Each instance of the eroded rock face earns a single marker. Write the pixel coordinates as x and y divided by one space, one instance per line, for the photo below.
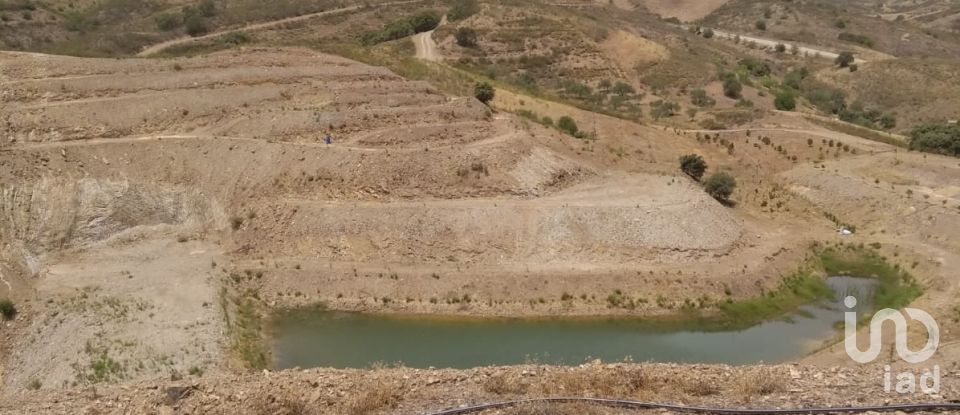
123 299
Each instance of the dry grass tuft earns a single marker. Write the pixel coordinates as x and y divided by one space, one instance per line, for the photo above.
504 384
599 382
761 382
283 404
700 387
374 397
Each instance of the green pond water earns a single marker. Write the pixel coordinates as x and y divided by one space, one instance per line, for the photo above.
315 338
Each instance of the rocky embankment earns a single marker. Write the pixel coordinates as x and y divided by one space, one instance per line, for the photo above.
421 391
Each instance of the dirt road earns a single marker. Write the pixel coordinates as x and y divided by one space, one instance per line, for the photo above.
426 46
771 43
159 47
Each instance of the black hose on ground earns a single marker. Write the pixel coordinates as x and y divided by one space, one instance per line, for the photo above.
626 404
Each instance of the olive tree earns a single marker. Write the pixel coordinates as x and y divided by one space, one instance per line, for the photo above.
693 165
720 186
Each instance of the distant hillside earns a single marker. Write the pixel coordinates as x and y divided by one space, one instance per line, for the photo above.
917 91
851 25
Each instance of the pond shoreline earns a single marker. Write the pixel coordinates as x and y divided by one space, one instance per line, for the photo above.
803 288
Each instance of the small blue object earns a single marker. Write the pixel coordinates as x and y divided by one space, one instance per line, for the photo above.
328 139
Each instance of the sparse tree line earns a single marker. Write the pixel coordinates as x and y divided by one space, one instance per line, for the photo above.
564 124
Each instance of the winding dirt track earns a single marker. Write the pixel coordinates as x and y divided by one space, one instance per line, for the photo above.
426 46
770 43
160 47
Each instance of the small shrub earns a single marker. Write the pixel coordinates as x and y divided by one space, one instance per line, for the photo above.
756 67
732 88
484 92
780 48
700 98
207 8
693 165
707 33
855 38
761 25
663 108
167 21
568 125
720 186
844 59
785 101
462 9
7 310
623 89
196 25
236 38
466 37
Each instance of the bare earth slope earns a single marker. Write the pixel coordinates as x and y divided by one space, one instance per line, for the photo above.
218 164
138 197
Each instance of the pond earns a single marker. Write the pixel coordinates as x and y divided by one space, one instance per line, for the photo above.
317 338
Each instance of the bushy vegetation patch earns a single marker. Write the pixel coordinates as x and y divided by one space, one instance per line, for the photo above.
803 287
896 288
936 138
565 124
421 22
862 40
463 9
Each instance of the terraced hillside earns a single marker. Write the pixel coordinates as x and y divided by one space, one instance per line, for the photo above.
218 163
157 211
